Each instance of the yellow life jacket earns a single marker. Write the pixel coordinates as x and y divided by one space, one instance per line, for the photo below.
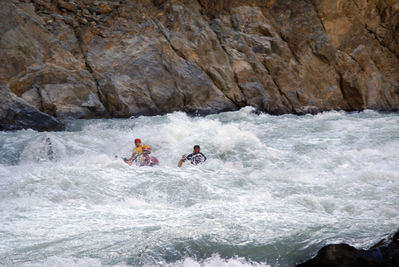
139 149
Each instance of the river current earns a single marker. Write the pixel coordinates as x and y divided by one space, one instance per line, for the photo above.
273 191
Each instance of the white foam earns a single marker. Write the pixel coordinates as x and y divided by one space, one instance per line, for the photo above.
216 261
266 179
63 262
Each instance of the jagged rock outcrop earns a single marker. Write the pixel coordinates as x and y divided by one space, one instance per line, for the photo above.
45 67
92 58
16 114
384 253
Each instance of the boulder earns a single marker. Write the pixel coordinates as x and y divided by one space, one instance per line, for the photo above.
16 114
384 253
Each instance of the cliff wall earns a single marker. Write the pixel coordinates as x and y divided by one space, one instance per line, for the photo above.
89 58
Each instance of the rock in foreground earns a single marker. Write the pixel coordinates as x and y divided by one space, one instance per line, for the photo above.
16 114
384 253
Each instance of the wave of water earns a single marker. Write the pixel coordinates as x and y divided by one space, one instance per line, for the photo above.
273 191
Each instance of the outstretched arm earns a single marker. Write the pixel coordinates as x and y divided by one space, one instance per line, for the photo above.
181 161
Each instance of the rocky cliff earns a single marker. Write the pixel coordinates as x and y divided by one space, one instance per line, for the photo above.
90 58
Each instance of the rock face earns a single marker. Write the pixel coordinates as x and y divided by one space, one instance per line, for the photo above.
91 58
384 253
16 114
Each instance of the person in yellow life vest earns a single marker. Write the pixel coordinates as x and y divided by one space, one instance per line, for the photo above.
139 149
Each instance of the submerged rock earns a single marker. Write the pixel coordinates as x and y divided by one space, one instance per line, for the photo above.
87 59
43 148
384 253
50 149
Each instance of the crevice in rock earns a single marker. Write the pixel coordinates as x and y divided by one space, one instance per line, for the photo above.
380 42
379 11
157 23
235 79
234 74
39 92
351 94
100 95
181 55
216 84
240 88
161 30
318 15
148 88
281 92
202 7
166 68
341 88
286 40
178 52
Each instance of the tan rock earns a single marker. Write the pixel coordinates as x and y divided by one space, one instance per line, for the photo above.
103 9
33 98
153 57
83 21
70 101
67 5
37 63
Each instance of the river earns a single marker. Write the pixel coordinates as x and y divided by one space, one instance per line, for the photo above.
273 191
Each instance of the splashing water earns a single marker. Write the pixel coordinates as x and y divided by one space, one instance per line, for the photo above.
273 191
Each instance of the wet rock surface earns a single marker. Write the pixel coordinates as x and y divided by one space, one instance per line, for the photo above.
88 59
384 253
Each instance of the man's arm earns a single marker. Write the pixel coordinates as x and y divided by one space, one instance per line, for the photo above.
183 159
203 156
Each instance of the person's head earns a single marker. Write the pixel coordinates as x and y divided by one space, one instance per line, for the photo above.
196 149
137 142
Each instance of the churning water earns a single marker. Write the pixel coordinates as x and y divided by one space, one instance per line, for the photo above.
273 191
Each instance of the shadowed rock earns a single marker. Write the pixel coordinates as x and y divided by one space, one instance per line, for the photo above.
16 114
384 253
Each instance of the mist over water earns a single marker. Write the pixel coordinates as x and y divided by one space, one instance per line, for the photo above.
273 191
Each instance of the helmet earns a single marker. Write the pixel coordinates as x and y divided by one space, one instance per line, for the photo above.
196 146
137 139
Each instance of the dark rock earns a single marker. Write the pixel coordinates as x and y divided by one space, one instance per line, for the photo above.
49 150
16 114
384 253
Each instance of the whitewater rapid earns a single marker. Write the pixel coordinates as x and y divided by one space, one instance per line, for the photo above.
273 190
